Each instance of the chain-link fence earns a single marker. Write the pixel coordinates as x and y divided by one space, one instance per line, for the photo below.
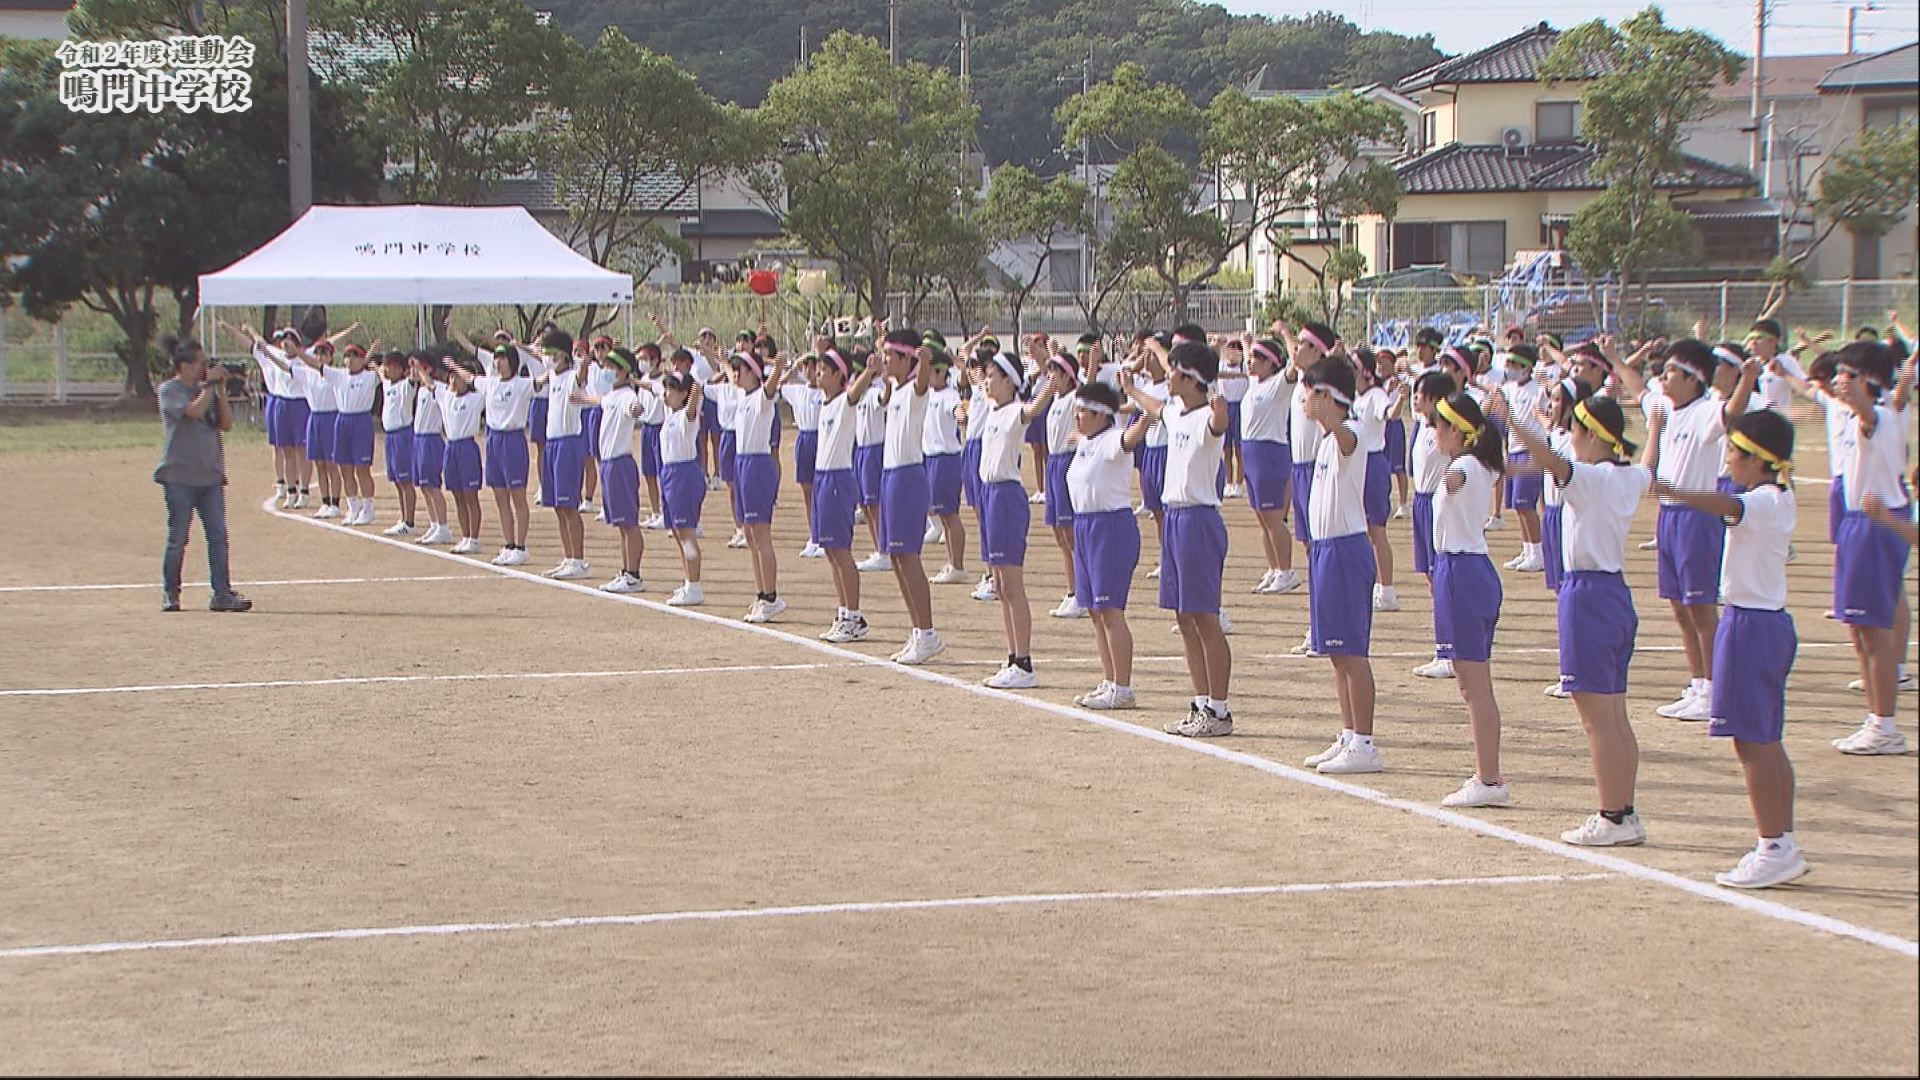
74 359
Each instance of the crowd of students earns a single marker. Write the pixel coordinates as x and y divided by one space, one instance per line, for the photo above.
898 432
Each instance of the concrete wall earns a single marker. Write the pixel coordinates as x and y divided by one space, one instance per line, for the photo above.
34 25
1478 113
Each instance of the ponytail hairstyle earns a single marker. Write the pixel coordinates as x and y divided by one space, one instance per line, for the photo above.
1483 440
1767 435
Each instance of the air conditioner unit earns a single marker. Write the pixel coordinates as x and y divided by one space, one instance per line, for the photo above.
1514 139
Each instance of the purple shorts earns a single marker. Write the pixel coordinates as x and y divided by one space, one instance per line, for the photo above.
970 485
506 459
1059 499
1106 551
353 438
1551 552
1752 653
1422 533
400 467
320 435
1869 563
1397 446
1340 604
1269 468
650 449
1004 517
563 468
1522 489
1302 491
1152 462
835 493
943 482
461 465
1597 628
868 462
429 459
537 420
1232 438
294 412
1378 496
1037 432
683 488
904 496
1691 545
729 450
590 430
276 414
709 417
620 491
1466 607
1836 508
806 452
1193 557
756 484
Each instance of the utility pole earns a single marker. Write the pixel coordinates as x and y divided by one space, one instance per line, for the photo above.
1853 14
299 114
803 48
893 32
966 89
1089 249
1759 76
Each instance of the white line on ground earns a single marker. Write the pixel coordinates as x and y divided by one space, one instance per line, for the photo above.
1771 909
362 680
850 908
155 586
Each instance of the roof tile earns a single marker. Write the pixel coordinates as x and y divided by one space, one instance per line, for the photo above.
1460 168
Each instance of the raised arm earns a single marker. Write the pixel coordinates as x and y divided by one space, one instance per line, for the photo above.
1550 462
1043 400
1742 392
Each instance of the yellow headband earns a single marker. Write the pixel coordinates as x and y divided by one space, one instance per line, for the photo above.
1468 432
1782 467
1591 423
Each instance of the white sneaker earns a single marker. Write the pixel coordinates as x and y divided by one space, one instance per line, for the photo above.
878 562
1648 545
517 557
1108 696
764 611
859 514
1907 684
1226 622
468 545
936 532
327 510
921 648
1355 757
1081 699
1870 740
569 570
1476 792
1514 563
738 539
1699 710
699 532
1284 581
1385 599
1496 523
1531 563
586 506
813 551
689 594
1331 752
437 533
1556 690
1153 573
714 483
398 528
1597 831
1435 668
1037 498
1140 510
1069 609
1012 677
502 558
1201 724
986 590
1305 648
1266 580
1233 491
845 630
625 583
1760 869
1399 510
950 575
1673 709
299 502
655 522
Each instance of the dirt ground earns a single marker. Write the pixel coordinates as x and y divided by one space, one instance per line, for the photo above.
699 773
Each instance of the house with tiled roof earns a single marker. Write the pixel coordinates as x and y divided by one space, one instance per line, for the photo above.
1498 171
1877 91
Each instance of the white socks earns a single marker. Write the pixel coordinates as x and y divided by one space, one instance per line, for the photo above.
1776 845
1884 724
1702 687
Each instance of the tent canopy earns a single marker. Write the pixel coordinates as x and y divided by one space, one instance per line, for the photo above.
414 255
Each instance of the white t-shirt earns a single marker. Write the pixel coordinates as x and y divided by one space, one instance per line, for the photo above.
1691 450
1523 405
1002 432
805 401
906 427
1233 382
1753 572
680 437
563 415
1100 478
426 411
396 404
1194 454
277 382
1337 506
617 420
1654 400
835 451
657 408
1838 415
508 401
870 418
1429 464
462 413
1774 391
1459 517
1600 503
1562 446
1263 412
1874 465
754 415
1156 431
1302 429
354 392
1369 420
1060 423
600 380
726 399
977 408
941 433
314 384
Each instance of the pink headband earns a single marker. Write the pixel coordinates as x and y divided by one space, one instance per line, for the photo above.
838 361
1182 339
1313 339
751 361
1067 365
1261 348
903 350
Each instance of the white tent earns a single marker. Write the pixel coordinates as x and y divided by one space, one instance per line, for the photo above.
414 255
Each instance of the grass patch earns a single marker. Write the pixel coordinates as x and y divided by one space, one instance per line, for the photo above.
31 433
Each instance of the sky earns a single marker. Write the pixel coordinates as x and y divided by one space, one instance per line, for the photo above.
1794 26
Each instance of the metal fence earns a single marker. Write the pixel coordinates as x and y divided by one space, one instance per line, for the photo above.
73 360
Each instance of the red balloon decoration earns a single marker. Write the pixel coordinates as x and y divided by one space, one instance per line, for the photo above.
763 282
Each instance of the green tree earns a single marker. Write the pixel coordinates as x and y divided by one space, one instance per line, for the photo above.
1653 79
871 160
1021 208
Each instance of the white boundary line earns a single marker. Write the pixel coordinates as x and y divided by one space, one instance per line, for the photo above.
725 914
364 680
154 585
1596 857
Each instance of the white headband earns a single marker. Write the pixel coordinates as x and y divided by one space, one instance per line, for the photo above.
1093 407
1013 371
1192 374
1728 356
1334 394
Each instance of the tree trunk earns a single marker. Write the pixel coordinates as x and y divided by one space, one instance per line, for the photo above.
441 313
136 353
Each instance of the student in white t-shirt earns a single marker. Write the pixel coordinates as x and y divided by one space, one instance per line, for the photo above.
836 488
802 394
1106 536
905 490
1006 510
397 392
1266 450
429 444
944 447
624 404
1233 386
564 463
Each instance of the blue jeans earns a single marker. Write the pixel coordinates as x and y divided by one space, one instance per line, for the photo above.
184 501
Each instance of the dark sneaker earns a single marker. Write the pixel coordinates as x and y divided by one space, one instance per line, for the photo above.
172 604
230 602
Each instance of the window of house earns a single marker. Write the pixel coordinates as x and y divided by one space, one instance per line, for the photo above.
1556 122
1866 258
1470 247
1886 114
1429 130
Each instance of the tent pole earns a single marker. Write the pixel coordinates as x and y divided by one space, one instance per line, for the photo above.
630 323
419 327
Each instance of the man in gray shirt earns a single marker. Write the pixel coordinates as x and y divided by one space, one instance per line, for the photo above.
192 470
